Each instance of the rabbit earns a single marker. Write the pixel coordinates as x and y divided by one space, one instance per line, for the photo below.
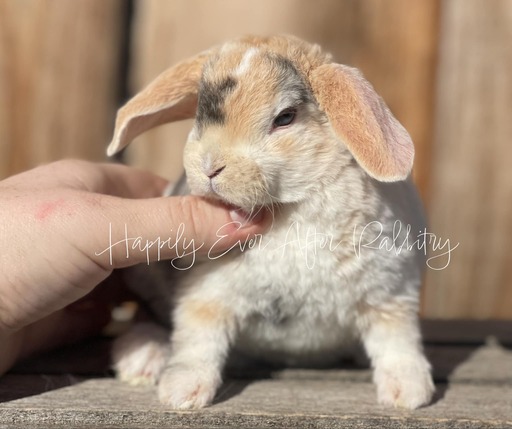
281 127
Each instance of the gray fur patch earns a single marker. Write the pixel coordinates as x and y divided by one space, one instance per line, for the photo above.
210 104
291 80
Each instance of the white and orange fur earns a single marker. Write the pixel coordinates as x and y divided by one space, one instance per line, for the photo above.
342 163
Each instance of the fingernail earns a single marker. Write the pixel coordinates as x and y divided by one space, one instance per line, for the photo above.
245 219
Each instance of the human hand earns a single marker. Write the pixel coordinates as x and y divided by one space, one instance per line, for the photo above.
55 222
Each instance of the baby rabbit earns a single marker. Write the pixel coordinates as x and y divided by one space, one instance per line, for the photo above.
280 127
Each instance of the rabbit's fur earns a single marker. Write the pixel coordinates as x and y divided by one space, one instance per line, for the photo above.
306 292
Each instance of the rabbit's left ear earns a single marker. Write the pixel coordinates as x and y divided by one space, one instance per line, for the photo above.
378 142
172 96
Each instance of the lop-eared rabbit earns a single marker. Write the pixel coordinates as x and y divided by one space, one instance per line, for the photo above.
281 128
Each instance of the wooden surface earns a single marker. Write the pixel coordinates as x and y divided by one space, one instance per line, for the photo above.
395 45
299 403
59 67
471 200
72 388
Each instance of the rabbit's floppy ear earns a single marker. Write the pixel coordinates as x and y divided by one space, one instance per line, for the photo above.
172 96
359 116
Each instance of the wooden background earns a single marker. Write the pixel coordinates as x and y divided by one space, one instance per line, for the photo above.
444 67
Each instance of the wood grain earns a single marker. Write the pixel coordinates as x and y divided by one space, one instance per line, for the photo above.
59 65
477 395
471 178
395 45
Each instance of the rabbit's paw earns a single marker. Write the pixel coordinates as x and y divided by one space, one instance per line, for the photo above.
187 388
139 356
404 381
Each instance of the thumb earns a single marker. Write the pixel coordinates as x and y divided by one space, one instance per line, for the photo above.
147 230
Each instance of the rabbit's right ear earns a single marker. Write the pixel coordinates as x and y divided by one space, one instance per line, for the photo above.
378 142
172 96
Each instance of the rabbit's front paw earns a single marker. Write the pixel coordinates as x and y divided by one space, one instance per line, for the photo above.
404 381
139 356
186 388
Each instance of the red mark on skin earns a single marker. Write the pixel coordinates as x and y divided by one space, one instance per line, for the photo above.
46 209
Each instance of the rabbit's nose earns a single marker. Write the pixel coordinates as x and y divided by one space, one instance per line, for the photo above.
215 172
212 165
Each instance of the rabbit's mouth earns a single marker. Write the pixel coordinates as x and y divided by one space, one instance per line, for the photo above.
244 214
241 213
244 217
245 208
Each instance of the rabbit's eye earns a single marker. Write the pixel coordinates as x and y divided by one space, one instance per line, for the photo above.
284 118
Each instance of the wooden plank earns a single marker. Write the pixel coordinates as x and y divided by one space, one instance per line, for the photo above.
58 79
5 96
255 404
393 42
471 177
477 395
459 332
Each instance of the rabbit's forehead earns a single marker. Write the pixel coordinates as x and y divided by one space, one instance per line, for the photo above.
241 86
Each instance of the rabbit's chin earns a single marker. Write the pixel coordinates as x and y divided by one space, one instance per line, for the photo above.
247 208
242 210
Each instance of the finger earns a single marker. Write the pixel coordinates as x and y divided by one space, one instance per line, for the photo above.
142 231
112 179
121 181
